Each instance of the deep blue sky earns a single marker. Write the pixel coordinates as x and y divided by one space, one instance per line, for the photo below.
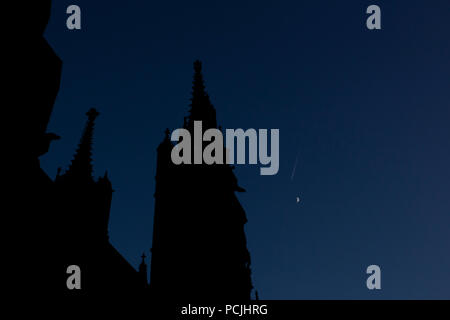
368 112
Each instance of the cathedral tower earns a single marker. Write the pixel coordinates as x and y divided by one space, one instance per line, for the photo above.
199 247
84 208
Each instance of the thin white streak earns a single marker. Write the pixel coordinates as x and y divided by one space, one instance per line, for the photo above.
295 166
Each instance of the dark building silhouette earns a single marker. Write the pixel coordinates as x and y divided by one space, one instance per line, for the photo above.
86 204
199 247
52 224
31 72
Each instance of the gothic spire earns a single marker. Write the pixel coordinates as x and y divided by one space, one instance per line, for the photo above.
143 271
201 107
81 165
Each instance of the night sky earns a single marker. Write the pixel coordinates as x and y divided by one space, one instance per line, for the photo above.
367 113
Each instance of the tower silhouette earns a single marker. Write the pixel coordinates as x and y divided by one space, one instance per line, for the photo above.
89 200
86 204
199 249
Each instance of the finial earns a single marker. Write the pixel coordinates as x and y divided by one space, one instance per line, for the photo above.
167 133
92 113
197 66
